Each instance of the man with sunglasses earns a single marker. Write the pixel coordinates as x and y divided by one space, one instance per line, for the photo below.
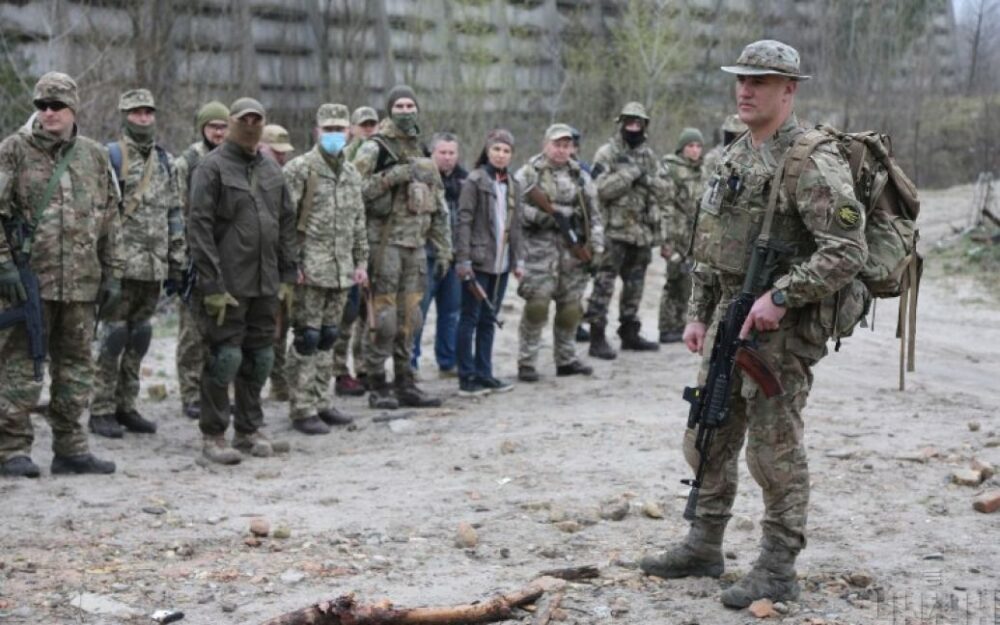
59 211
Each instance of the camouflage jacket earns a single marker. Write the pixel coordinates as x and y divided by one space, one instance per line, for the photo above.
153 233
686 179
631 192
352 148
77 239
711 158
241 228
183 168
827 252
571 192
332 237
383 162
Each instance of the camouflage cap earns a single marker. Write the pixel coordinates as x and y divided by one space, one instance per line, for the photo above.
734 125
57 87
558 131
245 106
633 109
136 98
277 137
767 56
363 114
333 115
689 135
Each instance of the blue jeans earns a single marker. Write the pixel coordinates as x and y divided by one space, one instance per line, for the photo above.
477 320
447 293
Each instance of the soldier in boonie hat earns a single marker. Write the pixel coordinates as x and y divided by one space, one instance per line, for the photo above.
768 56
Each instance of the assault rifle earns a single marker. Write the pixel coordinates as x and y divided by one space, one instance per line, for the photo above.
710 402
29 312
480 294
576 245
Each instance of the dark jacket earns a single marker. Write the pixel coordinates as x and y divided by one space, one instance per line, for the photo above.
452 188
241 231
475 235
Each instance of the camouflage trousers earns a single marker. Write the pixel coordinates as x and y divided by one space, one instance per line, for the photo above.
309 374
124 340
69 329
550 274
623 260
773 431
279 372
399 281
241 353
191 354
352 326
674 299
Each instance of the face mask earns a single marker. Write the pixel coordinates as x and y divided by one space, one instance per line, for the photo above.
143 135
633 138
407 122
332 142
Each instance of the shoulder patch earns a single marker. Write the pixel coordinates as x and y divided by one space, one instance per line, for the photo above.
848 216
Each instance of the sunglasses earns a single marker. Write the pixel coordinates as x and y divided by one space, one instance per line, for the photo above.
43 105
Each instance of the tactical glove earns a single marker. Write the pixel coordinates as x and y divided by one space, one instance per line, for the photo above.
215 305
110 293
11 288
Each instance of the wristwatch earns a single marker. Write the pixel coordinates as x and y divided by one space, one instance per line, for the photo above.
778 297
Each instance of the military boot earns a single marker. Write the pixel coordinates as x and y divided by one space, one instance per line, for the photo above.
312 426
19 466
105 425
772 576
599 347
217 449
574 368
698 555
192 410
132 421
380 395
253 443
332 416
411 396
629 333
527 373
80 464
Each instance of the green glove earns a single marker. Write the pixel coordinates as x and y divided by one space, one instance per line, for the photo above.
10 283
215 305
110 293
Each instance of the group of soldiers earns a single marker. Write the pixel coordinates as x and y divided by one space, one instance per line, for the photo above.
331 247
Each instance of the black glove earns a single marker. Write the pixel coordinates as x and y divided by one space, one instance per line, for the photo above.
10 283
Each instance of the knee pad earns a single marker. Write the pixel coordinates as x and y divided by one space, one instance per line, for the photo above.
306 340
536 310
568 316
327 337
140 336
261 363
224 365
116 337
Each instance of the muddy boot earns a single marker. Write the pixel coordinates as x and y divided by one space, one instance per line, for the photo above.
80 464
217 449
772 576
599 347
411 396
132 421
332 416
254 443
629 333
699 555
381 396
105 425
527 374
19 466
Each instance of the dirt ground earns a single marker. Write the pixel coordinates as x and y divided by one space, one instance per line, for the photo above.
375 510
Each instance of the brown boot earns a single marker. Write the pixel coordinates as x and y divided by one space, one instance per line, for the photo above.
217 449
772 576
254 443
698 555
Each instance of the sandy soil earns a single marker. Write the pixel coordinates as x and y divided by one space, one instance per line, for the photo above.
375 510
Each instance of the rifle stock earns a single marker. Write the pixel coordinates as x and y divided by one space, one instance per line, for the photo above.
577 247
480 294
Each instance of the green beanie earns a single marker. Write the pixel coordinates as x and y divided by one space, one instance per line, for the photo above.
689 135
210 112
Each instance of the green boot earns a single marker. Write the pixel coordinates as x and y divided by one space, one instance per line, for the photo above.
699 555
772 576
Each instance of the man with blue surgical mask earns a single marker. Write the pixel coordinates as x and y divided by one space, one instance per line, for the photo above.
326 193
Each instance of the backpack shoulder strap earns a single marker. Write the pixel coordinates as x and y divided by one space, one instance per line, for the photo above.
386 155
164 160
798 155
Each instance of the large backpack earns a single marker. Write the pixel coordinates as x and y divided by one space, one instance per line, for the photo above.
893 267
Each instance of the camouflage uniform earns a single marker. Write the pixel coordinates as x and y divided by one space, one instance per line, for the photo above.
153 241
191 352
551 271
731 128
333 242
396 236
77 256
630 191
678 222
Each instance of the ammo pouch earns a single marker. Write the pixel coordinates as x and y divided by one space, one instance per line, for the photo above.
836 315
420 198
380 207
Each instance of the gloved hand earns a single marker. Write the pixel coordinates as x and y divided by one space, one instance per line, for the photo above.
398 174
286 294
10 283
109 294
632 171
215 305
441 268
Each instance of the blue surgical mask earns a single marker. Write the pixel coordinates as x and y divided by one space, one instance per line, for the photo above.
332 142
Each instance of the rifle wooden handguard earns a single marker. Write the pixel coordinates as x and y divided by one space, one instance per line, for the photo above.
753 364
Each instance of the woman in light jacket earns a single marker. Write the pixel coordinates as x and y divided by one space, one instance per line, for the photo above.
487 249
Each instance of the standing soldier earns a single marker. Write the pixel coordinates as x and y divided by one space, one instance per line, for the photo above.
153 242
405 205
684 170
333 254
211 122
364 123
557 191
241 233
822 226
59 212
630 190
